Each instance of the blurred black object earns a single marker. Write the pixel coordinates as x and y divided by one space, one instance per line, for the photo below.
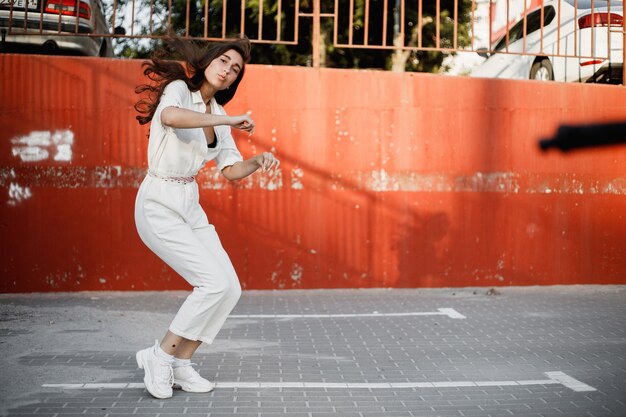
570 137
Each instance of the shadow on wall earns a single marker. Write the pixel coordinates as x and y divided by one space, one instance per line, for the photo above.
336 234
421 249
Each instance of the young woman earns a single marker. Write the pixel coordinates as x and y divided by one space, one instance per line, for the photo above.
189 127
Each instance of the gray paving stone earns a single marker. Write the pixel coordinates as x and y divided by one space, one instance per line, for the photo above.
213 414
24 414
186 414
270 414
64 414
519 335
260 409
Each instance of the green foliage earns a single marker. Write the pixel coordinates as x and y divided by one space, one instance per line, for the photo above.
431 61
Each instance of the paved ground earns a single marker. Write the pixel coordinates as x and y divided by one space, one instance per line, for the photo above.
549 351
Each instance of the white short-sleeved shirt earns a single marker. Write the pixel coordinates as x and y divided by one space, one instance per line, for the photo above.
177 152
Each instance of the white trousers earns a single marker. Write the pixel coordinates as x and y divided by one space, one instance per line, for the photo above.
172 224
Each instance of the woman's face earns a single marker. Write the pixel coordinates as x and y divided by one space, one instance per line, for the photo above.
224 69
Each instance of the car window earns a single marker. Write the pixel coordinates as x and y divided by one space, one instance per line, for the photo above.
534 19
533 23
514 34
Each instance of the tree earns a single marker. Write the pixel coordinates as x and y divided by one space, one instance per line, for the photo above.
427 60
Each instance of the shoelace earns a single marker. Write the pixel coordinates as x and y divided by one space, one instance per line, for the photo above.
166 377
191 372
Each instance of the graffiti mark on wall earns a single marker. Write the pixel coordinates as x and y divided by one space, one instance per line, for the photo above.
41 145
382 181
25 177
17 194
37 146
272 180
488 182
296 176
296 273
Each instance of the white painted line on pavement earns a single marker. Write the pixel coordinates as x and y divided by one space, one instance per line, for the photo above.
110 385
570 382
538 382
496 383
65 386
450 312
453 384
555 378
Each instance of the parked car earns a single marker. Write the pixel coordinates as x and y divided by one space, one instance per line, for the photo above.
48 25
582 36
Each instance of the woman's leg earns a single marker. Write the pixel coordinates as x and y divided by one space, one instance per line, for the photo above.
178 346
171 238
210 239
183 348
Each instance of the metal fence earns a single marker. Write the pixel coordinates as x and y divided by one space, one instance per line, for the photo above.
485 26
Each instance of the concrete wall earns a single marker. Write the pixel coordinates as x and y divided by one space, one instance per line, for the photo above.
387 180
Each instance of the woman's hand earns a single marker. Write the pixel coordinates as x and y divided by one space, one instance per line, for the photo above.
243 122
242 169
267 161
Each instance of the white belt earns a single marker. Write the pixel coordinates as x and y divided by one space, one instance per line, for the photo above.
179 180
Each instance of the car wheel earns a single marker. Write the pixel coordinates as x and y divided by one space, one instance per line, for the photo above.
542 71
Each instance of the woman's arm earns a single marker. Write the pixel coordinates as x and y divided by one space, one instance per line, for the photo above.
187 119
242 169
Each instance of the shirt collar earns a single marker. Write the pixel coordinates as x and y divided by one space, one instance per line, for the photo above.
196 97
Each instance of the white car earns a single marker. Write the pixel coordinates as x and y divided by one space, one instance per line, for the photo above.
581 36
48 25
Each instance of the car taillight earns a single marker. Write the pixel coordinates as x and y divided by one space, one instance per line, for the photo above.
68 8
599 20
592 62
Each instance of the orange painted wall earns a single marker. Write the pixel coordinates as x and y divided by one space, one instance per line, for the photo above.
387 180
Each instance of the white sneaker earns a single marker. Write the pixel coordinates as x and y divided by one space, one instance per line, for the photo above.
190 380
159 375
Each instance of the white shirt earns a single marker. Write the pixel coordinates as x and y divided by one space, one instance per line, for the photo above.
174 152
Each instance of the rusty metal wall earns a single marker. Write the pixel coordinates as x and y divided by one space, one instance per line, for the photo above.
387 180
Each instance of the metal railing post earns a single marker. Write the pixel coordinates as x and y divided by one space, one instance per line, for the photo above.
316 34
623 45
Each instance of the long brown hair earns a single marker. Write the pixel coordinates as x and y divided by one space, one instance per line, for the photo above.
163 71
